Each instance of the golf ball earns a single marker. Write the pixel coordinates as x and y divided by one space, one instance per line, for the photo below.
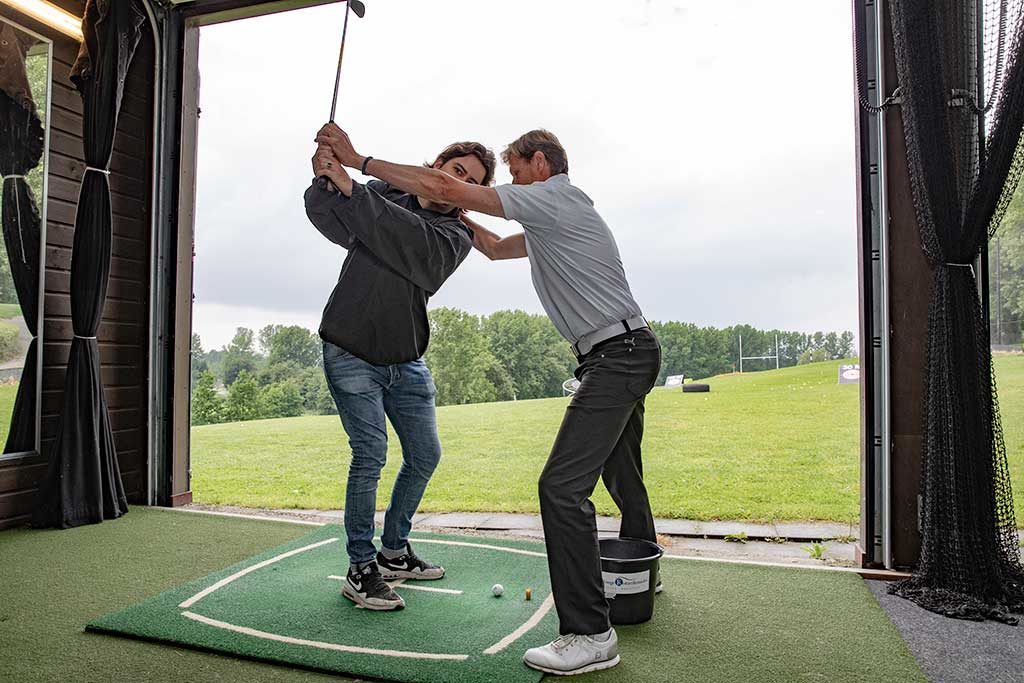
497 589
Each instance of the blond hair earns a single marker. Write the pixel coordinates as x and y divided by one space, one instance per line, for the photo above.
543 141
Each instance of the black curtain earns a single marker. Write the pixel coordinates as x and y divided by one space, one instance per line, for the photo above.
21 148
83 482
962 181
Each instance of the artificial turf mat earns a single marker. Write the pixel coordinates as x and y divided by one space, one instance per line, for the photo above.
438 638
54 582
714 622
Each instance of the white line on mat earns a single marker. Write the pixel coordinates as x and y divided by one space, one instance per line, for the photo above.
401 582
521 631
505 642
318 644
517 551
248 570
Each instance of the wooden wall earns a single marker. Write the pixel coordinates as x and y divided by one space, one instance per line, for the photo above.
123 333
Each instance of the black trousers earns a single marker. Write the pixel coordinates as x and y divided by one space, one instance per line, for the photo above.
600 437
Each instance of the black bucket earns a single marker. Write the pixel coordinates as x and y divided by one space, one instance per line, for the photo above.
629 567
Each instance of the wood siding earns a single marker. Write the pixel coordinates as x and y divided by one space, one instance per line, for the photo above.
124 330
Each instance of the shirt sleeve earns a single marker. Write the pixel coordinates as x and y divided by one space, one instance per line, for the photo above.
425 252
532 205
318 202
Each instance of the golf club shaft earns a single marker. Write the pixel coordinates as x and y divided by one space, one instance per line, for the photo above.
341 55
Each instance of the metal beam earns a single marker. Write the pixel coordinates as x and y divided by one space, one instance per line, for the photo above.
207 12
873 276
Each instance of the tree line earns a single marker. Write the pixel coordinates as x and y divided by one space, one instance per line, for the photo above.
508 355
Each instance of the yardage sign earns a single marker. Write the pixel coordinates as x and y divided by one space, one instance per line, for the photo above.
673 380
849 374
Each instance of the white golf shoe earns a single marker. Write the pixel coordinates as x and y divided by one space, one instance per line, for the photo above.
574 654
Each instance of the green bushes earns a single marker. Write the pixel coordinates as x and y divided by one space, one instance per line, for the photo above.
10 341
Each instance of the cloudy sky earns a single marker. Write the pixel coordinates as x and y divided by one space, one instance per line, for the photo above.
716 138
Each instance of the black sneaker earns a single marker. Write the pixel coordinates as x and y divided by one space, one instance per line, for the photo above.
409 566
367 589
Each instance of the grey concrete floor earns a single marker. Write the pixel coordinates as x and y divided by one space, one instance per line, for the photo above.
792 542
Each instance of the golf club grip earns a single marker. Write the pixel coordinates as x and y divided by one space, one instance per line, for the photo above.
324 183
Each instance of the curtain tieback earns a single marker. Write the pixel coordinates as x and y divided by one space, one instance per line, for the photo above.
78 336
964 265
104 171
13 177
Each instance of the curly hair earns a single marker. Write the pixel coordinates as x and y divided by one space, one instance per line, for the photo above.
465 149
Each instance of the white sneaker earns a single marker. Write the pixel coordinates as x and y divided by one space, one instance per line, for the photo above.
574 654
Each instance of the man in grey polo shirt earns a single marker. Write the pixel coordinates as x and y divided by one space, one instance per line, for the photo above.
580 280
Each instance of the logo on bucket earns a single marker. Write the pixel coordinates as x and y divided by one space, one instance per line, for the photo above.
625 584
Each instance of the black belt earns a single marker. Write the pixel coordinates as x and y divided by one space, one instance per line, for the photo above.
587 342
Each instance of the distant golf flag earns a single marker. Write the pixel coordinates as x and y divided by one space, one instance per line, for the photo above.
673 380
849 374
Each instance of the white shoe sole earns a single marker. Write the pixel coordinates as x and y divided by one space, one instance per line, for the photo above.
392 574
596 666
363 603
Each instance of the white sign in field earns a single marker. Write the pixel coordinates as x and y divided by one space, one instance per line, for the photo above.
673 380
849 374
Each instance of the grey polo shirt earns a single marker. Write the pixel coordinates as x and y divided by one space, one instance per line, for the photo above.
574 260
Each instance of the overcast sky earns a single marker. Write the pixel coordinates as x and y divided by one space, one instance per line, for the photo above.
716 139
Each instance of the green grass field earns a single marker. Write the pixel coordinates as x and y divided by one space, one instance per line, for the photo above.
776 445
10 311
8 392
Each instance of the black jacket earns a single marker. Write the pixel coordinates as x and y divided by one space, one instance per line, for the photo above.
399 254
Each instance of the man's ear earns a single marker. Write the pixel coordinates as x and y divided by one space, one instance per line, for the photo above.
540 162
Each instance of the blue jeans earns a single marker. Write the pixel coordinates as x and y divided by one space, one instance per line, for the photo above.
365 394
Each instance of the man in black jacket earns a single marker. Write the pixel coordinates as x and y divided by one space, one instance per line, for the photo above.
401 249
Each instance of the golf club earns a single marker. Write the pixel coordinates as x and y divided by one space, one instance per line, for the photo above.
360 10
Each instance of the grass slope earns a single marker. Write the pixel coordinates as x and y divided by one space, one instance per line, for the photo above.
776 445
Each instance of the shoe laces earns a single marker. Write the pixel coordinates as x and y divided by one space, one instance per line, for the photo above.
373 579
414 558
562 642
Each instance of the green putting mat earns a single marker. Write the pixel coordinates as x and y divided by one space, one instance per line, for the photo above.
285 606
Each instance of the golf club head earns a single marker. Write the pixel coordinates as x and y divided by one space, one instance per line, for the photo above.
358 7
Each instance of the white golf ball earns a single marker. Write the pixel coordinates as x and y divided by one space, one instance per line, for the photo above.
497 589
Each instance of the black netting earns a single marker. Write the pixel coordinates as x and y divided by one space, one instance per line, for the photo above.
961 75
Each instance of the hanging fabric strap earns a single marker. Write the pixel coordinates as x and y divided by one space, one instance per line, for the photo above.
88 168
78 336
17 204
